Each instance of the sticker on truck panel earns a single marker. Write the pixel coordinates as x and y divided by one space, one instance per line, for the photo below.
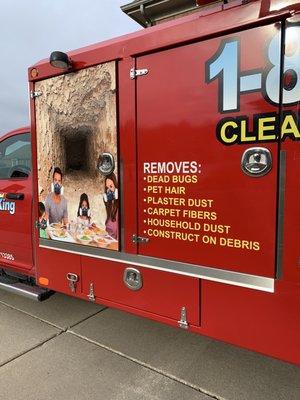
77 158
6 205
225 66
7 256
171 213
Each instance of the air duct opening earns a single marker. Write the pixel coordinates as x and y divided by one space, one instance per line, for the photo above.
76 153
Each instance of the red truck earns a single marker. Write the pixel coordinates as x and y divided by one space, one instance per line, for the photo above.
163 176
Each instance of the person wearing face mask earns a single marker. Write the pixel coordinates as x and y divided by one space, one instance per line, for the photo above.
111 202
84 212
56 204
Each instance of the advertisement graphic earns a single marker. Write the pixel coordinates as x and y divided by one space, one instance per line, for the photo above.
77 158
6 205
208 149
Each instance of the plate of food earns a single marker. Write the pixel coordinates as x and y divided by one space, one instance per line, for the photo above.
84 239
102 241
60 233
56 225
98 230
88 232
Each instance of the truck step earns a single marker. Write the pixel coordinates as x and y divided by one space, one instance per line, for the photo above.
32 292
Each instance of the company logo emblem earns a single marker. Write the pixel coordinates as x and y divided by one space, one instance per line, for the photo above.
5 205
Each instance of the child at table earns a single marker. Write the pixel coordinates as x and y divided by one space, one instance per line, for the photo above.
42 221
84 212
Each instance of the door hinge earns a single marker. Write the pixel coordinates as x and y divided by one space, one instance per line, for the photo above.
139 239
134 73
183 321
34 94
91 295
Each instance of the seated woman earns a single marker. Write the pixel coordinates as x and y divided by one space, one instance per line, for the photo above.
56 204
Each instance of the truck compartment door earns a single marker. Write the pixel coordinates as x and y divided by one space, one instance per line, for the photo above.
77 164
207 125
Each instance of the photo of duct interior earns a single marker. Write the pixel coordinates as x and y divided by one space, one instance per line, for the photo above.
76 123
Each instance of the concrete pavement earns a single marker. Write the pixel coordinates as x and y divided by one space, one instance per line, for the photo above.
66 348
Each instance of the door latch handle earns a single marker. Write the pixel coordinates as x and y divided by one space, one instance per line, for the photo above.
15 196
256 161
72 279
132 278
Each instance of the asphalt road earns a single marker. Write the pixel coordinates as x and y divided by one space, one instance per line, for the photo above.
66 348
